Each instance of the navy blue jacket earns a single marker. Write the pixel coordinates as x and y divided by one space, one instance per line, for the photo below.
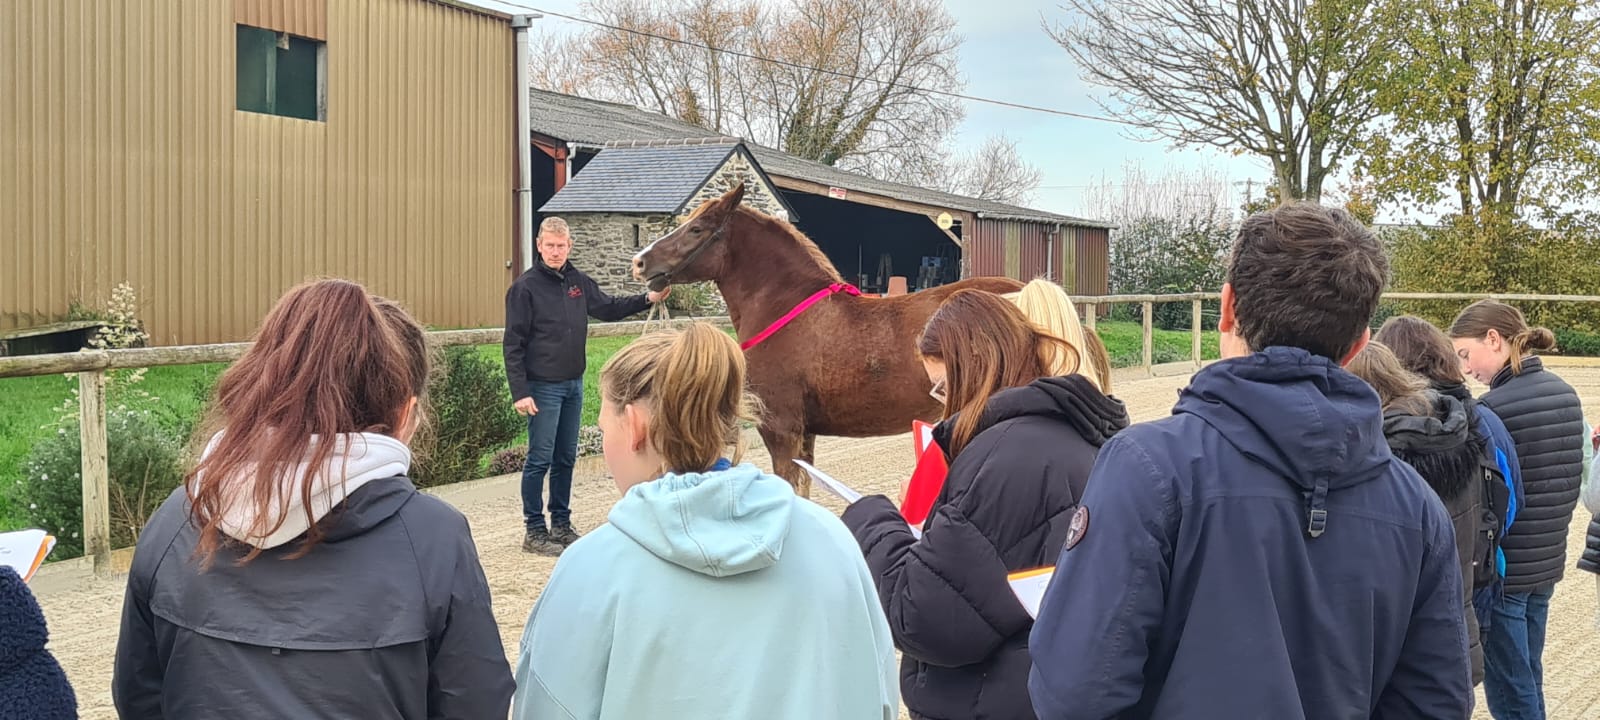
32 684
1259 554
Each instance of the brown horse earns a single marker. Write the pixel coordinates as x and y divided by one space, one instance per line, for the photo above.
847 366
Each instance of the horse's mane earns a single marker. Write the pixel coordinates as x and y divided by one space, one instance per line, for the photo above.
779 227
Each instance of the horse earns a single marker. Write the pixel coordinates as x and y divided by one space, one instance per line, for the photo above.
845 366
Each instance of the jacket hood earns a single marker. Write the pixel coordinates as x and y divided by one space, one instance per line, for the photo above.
1440 446
1069 399
357 459
1302 416
718 523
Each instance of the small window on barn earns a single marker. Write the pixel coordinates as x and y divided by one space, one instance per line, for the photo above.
281 74
636 234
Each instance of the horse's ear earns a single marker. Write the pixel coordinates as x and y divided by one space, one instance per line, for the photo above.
732 198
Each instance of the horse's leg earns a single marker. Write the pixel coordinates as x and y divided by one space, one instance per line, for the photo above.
808 449
784 446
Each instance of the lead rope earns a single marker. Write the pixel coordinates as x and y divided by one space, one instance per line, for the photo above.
658 313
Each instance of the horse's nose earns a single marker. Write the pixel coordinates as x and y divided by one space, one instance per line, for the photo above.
638 266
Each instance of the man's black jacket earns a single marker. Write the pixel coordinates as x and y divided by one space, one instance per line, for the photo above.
547 323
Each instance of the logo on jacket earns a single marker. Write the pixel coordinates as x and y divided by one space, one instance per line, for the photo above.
574 292
1078 527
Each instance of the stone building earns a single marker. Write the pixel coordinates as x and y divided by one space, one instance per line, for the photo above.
633 192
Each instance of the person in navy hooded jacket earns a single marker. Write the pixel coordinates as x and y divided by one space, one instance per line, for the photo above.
1260 553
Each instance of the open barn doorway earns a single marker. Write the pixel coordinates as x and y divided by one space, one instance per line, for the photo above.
870 244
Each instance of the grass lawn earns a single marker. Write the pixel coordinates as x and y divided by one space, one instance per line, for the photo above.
30 404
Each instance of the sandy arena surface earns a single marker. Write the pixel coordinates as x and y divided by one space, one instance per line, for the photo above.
84 611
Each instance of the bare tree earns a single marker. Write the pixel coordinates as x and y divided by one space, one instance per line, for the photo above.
842 87
555 63
1285 80
994 171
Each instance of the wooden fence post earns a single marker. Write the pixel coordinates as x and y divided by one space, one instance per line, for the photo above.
1194 326
1149 334
1088 315
96 474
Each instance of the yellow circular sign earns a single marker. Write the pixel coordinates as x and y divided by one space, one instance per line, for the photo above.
945 221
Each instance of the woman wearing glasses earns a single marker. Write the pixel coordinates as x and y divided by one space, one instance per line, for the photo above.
1020 442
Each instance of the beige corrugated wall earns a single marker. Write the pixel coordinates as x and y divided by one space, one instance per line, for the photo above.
122 158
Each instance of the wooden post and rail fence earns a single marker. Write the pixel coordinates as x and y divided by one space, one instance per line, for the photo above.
91 367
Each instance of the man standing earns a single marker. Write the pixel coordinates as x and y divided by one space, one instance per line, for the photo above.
1260 553
547 311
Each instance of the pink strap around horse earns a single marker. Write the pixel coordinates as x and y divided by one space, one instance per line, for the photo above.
837 287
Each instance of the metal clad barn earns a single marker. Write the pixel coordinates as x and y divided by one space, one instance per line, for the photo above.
212 154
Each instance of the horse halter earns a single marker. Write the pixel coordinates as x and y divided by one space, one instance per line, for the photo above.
689 258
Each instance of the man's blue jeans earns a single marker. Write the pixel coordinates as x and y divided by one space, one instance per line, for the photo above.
552 448
1513 654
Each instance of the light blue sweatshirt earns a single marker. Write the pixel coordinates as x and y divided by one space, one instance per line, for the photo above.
716 595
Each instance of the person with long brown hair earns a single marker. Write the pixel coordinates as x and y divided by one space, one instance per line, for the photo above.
297 572
713 591
1545 419
1427 351
1020 440
1432 433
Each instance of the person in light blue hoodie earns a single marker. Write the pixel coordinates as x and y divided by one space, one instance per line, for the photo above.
714 591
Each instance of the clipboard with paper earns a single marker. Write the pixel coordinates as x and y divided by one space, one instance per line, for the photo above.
843 491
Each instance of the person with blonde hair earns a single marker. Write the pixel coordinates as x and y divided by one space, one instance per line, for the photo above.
714 591
1048 306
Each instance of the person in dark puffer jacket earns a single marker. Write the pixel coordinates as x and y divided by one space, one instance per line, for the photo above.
1432 434
32 684
1545 418
1590 560
1019 462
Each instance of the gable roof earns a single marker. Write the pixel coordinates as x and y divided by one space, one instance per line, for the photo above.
595 123
644 178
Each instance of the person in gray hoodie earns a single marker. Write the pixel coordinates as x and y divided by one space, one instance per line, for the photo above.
298 573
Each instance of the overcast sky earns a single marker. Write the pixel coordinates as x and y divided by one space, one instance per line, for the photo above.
1006 55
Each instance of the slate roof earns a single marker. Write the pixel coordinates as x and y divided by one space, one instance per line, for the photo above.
645 179
596 123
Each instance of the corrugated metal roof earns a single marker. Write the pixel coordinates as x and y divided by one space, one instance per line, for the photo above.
595 122
647 179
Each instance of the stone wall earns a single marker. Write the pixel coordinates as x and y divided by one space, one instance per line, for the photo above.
603 245
758 195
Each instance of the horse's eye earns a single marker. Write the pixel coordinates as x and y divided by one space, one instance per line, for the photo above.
696 229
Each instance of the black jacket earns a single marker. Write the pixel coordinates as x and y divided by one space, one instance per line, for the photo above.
1590 560
32 684
1445 450
1545 418
387 619
547 323
1004 507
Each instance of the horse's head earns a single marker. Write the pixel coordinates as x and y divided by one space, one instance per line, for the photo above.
695 250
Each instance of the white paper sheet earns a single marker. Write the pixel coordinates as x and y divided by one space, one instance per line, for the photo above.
25 550
843 491
1029 588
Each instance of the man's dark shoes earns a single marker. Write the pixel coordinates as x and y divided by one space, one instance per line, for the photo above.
539 542
563 535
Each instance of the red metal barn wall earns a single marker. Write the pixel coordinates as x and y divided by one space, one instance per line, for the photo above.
1076 257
